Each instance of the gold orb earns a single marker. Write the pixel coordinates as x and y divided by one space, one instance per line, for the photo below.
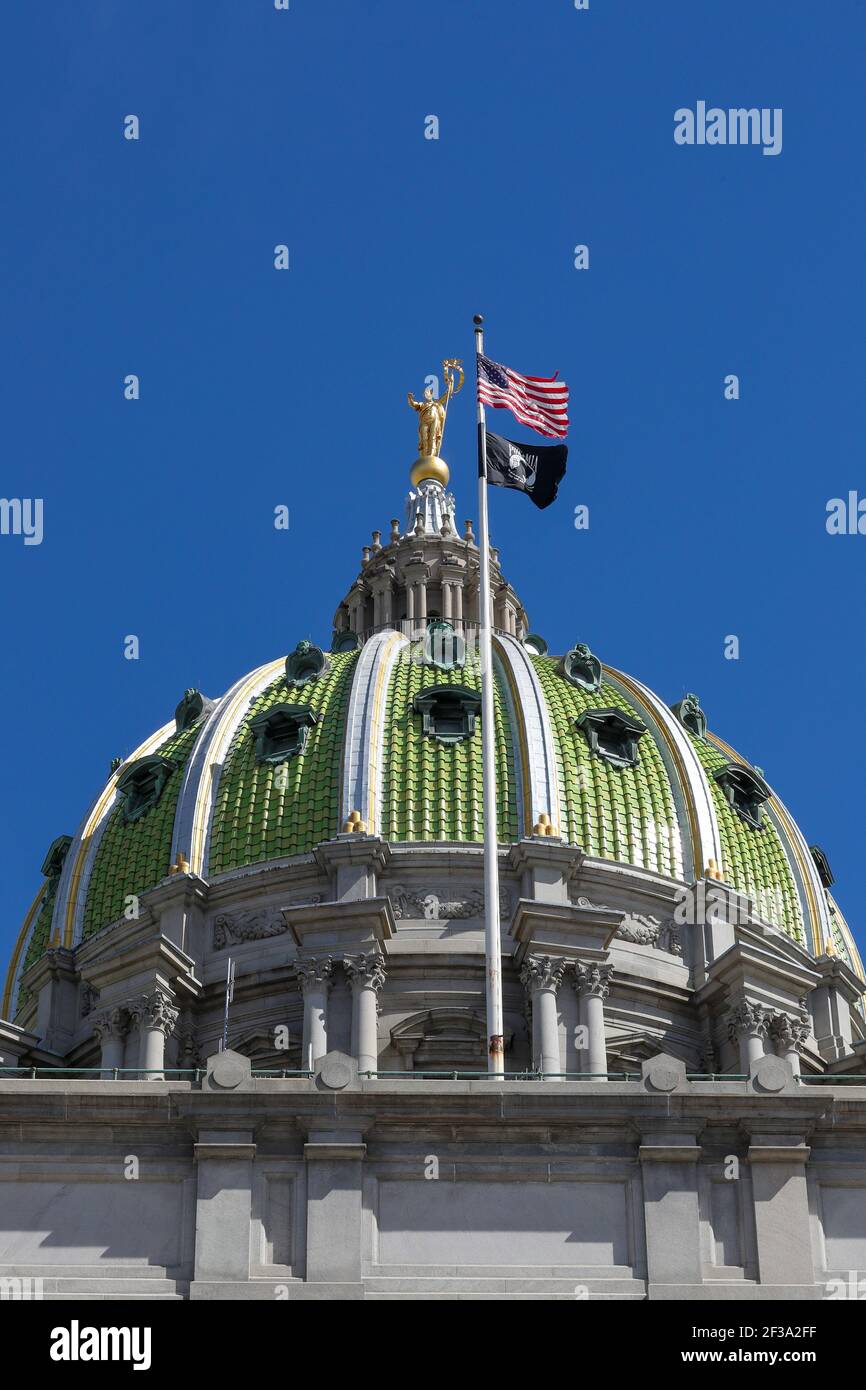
430 467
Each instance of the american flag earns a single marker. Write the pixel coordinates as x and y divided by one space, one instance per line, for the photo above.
538 401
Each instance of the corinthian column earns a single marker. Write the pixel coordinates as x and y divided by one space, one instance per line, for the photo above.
367 976
156 1016
789 1035
592 983
111 1028
314 982
747 1025
541 977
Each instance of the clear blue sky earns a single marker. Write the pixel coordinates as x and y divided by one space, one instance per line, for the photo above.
258 387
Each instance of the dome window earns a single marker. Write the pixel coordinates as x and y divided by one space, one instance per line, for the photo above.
448 712
688 711
305 663
443 647
822 864
191 709
141 785
581 668
281 732
611 735
746 792
57 852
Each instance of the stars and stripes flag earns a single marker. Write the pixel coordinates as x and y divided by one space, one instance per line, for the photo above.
538 401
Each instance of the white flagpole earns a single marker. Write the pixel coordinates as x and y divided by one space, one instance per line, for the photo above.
492 944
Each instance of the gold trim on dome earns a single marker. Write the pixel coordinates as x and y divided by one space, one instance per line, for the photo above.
698 848
5 1011
203 797
95 819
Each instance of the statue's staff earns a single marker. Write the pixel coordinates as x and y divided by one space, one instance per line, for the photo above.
449 366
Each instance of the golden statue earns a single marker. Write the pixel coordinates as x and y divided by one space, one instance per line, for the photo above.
432 412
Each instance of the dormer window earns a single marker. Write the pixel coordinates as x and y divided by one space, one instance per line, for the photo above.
191 709
281 732
582 668
746 792
141 785
305 663
822 864
448 712
443 647
52 865
612 735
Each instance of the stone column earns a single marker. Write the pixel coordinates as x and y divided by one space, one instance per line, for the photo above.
592 983
156 1016
367 976
314 982
457 604
446 600
355 623
747 1026
541 977
110 1028
789 1034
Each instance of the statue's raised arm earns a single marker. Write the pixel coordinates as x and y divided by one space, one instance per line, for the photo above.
432 409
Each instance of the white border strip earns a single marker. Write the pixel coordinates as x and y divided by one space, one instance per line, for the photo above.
541 797
233 709
361 785
697 788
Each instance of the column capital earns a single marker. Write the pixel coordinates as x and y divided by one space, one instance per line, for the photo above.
111 1025
365 971
593 980
156 1010
747 1019
791 1033
542 972
314 973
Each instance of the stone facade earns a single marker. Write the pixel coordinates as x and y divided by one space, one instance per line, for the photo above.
616 1167
336 1187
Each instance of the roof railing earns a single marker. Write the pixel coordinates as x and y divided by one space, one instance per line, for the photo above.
195 1075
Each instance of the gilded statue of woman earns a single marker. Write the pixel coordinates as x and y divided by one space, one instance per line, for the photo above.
431 421
432 410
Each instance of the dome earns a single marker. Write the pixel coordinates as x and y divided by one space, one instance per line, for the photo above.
377 733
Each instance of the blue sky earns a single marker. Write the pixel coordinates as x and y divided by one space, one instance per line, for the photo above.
258 387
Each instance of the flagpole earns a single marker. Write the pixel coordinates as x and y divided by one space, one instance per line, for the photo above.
492 944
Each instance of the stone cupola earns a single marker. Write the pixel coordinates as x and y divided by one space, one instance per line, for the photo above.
426 570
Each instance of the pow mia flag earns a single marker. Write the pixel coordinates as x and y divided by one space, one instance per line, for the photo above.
531 468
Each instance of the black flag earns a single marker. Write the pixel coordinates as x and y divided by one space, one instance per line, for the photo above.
531 468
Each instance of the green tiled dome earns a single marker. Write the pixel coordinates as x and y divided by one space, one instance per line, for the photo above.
369 758
135 855
261 814
627 814
432 790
